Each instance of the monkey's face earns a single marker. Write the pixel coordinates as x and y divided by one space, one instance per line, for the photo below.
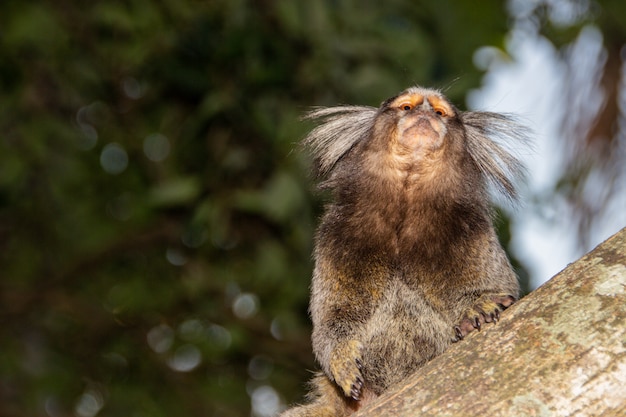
421 117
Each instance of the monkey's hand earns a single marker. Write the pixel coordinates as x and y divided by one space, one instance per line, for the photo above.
345 366
485 310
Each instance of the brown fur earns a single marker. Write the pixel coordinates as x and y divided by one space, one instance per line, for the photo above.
407 260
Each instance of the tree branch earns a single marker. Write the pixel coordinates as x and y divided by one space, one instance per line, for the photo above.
560 351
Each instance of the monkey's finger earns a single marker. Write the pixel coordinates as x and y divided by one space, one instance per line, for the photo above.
504 301
491 316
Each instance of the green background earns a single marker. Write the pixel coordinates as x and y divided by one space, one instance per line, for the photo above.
156 214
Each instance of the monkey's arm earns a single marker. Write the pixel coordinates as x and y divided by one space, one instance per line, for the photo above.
497 289
341 302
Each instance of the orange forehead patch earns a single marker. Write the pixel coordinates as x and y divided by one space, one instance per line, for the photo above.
438 102
414 99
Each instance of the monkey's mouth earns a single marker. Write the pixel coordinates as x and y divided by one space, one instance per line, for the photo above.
421 131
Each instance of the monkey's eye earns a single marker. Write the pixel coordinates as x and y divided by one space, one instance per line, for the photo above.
440 111
406 106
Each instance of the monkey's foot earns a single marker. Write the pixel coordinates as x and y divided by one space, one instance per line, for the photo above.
345 366
487 309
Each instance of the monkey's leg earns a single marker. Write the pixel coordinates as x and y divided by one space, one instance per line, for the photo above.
486 309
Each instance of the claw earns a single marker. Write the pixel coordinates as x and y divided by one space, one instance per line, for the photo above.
477 323
355 392
459 333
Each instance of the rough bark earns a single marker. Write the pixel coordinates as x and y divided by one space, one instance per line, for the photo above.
560 351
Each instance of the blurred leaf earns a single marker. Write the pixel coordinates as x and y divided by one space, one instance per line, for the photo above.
175 192
212 205
280 198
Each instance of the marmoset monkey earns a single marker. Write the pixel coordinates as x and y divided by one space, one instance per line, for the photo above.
406 257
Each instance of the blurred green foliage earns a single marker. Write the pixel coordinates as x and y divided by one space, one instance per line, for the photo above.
156 217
